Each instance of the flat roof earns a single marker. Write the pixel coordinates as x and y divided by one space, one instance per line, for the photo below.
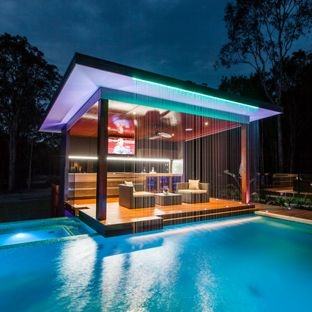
86 74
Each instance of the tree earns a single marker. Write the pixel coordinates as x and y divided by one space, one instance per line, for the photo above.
251 87
27 83
297 108
296 100
261 33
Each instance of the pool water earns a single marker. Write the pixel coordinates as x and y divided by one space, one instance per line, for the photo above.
30 231
237 264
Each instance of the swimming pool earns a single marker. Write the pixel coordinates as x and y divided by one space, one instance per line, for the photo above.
238 264
12 233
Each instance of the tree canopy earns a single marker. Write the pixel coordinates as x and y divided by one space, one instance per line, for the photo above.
27 83
296 99
261 33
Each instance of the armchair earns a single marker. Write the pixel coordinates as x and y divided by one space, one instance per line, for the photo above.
135 197
192 196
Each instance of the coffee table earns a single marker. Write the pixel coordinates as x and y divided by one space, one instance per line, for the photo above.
168 199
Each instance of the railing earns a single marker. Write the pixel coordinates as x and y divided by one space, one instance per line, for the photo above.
284 179
290 182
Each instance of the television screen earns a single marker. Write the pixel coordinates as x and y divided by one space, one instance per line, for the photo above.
121 146
119 125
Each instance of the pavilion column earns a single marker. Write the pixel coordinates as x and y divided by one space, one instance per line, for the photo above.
63 188
102 151
244 167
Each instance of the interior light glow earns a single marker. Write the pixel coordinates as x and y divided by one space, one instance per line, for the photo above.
82 157
90 116
138 159
206 123
195 93
130 159
188 129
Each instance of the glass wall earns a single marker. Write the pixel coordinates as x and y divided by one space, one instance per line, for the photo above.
156 149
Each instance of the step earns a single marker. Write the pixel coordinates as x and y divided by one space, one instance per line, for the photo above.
206 216
192 213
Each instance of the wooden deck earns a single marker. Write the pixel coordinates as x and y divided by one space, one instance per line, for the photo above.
124 220
297 215
286 191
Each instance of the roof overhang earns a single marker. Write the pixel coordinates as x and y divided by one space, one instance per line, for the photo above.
86 75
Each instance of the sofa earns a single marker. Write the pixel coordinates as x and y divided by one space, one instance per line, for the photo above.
135 196
191 195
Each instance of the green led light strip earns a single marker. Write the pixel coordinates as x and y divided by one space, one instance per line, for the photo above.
196 93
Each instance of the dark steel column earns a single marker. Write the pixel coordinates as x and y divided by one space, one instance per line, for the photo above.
244 167
63 172
102 151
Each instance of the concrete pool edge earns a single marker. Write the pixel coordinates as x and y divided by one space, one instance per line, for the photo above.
283 217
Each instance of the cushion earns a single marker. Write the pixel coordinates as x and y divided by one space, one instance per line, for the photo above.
192 191
143 194
194 184
130 183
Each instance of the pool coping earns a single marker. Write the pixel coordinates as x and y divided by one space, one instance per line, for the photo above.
283 217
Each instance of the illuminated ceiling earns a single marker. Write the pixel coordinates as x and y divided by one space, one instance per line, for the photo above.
148 121
86 75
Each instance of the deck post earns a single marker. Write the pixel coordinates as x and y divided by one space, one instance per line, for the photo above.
102 151
244 166
63 191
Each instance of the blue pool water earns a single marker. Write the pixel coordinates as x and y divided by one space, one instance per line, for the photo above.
30 231
239 264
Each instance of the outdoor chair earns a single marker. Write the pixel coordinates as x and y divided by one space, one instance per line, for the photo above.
193 195
135 196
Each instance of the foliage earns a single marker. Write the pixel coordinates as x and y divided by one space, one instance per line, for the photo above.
248 86
232 192
261 33
283 200
296 100
26 86
297 111
27 83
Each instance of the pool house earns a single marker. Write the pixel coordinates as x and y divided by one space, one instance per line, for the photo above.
141 150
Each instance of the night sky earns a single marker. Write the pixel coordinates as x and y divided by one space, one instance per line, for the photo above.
172 37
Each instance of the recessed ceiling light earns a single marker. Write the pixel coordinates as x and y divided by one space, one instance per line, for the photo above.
188 129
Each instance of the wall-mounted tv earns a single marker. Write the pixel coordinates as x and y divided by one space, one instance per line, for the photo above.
121 146
120 126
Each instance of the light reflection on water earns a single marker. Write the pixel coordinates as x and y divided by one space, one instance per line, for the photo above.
76 270
246 265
